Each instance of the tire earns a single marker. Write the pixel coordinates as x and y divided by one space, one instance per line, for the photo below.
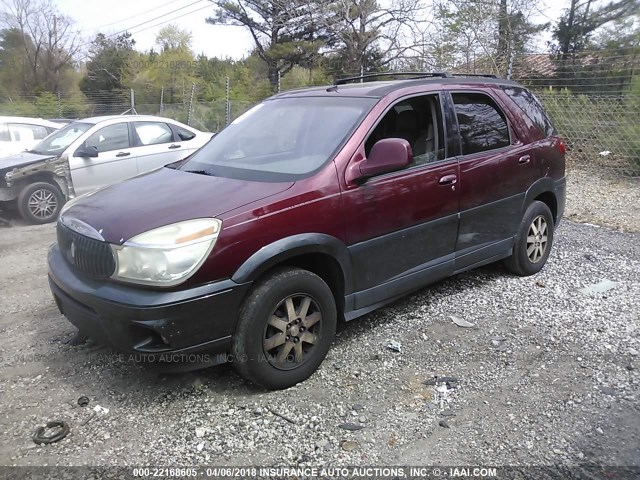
40 202
272 316
533 242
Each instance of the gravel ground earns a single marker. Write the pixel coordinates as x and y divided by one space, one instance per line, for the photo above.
610 200
547 376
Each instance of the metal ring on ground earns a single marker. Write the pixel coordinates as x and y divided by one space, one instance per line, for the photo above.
40 438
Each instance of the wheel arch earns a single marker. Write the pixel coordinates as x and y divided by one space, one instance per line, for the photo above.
322 254
543 191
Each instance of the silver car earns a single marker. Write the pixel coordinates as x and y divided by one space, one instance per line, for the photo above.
88 154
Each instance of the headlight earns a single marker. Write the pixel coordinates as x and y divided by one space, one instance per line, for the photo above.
167 255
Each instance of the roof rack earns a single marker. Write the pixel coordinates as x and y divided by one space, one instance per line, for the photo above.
482 75
413 75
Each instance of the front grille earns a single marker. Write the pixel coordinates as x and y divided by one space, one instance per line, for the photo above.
92 257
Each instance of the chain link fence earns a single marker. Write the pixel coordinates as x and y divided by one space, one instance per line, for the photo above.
601 129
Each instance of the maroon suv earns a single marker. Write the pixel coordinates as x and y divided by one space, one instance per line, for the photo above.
316 205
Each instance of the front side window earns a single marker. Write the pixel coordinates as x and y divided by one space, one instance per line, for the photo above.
112 137
59 140
281 139
418 120
153 133
482 124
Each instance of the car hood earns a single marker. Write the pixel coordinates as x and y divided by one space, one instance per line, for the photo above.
163 197
10 162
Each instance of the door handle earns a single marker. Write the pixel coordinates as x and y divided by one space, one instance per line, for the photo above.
123 154
173 145
448 180
524 159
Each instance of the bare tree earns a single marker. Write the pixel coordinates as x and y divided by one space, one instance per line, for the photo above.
50 41
367 34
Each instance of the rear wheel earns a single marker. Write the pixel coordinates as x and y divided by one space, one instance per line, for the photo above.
40 202
285 329
533 242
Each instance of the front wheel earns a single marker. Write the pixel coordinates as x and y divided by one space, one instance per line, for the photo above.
285 329
40 202
533 242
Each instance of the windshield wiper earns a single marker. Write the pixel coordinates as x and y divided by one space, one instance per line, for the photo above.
200 172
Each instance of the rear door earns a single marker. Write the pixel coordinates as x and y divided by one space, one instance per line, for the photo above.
402 226
156 145
115 162
496 168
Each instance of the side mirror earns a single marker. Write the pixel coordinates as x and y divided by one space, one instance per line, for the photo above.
387 155
86 151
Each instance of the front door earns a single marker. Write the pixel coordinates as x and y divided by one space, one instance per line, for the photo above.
115 162
402 226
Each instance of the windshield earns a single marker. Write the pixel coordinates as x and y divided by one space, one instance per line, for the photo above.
281 139
59 140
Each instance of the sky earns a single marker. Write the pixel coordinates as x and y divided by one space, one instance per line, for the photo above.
144 18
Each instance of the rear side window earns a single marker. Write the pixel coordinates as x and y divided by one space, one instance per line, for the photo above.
532 107
153 133
482 124
184 134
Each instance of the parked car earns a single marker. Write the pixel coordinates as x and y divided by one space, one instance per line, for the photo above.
63 121
21 133
89 154
317 205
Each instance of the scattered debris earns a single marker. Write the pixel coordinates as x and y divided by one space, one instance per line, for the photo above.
200 446
602 286
633 352
352 427
461 323
100 410
62 428
497 341
357 407
446 382
91 417
322 444
605 153
394 346
444 424
448 413
200 431
591 258
349 445
83 401
608 391
540 283
284 417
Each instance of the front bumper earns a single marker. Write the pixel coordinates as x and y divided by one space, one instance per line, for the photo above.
143 321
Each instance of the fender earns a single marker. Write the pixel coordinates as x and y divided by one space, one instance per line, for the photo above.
538 187
285 248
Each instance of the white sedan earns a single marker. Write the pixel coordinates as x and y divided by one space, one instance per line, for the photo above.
21 133
88 154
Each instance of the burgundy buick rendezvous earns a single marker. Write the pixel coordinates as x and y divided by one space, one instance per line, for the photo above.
317 205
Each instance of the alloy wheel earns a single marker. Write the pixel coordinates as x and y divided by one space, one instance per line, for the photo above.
43 204
537 239
292 332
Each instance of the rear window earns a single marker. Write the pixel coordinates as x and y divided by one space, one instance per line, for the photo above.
532 107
